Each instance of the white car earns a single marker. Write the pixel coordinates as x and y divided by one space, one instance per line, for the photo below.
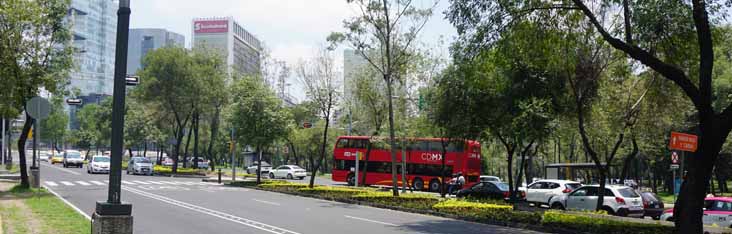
288 171
618 200
73 158
202 163
98 164
542 191
486 178
253 168
139 165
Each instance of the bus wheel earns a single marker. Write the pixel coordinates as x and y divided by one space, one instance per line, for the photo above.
351 180
435 185
418 184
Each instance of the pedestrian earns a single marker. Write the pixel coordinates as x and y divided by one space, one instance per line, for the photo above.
451 183
460 181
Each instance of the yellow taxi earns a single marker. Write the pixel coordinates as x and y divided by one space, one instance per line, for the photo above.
57 158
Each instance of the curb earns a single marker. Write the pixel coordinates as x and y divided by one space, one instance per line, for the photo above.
533 227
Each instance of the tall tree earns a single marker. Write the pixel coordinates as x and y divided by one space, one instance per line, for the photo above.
320 76
672 38
257 116
384 33
34 53
54 127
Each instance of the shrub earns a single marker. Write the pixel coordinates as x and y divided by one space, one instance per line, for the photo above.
486 211
282 186
181 171
600 224
333 192
414 201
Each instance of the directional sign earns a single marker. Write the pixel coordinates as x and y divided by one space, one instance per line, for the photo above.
683 142
674 158
674 166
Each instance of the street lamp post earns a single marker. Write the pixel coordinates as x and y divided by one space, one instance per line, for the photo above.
113 216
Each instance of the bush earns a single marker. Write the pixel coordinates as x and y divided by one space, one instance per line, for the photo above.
282 186
414 201
486 211
333 192
181 171
600 224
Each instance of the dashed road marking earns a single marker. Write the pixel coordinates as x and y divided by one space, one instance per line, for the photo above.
266 202
51 183
140 182
127 182
154 182
97 182
83 183
67 183
370 220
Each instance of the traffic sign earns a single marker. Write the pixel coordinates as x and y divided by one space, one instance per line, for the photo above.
674 158
674 166
38 108
683 142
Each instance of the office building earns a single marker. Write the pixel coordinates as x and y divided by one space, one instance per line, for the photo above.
144 40
94 26
239 47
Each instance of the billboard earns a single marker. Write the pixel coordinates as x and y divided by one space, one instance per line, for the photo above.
211 26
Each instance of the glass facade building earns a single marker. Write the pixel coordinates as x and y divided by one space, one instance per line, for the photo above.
144 40
93 24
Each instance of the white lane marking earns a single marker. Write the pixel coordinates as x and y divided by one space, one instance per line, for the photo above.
267 202
51 183
369 220
127 182
82 183
168 182
107 181
154 182
68 203
67 183
97 182
145 183
222 215
65 170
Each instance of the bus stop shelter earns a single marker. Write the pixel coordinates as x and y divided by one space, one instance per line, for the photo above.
582 172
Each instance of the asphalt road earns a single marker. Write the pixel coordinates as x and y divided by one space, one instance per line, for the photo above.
187 205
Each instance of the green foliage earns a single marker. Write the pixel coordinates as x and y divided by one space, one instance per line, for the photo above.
256 113
600 224
486 211
53 128
413 201
181 171
333 192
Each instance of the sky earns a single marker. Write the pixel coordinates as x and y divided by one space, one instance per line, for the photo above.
291 29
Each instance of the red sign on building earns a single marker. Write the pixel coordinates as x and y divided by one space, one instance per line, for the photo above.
211 26
683 142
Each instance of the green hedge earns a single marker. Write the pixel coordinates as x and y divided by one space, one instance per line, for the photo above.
595 223
333 192
181 171
414 201
486 211
282 186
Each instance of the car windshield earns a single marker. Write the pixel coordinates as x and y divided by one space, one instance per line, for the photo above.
142 160
101 159
73 155
296 167
573 186
649 197
502 186
627 192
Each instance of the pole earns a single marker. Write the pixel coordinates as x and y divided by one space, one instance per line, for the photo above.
233 163
673 184
404 166
113 205
35 142
2 151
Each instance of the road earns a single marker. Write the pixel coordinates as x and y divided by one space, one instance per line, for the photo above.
187 205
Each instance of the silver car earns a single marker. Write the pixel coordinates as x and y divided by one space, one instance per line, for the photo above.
139 165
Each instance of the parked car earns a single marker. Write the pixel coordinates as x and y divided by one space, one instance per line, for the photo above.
618 200
717 210
202 163
57 158
486 178
168 162
44 156
488 189
288 171
73 158
542 191
253 168
139 165
98 164
652 205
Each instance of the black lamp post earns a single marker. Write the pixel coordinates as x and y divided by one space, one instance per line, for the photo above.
113 205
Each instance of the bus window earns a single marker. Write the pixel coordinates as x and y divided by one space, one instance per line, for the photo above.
419 146
342 143
357 143
456 146
435 146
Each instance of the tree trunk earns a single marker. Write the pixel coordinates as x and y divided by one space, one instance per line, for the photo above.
509 166
259 165
392 138
21 151
691 197
195 140
129 149
366 163
176 151
601 189
442 168
322 149
214 131
188 143
144 148
628 160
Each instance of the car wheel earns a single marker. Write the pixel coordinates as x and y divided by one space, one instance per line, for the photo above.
656 217
418 184
289 176
608 210
434 185
557 206
271 175
128 171
302 177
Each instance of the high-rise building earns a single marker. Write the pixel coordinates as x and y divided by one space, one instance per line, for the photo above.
144 40
94 27
353 64
240 48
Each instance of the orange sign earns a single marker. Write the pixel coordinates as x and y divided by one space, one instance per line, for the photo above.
683 142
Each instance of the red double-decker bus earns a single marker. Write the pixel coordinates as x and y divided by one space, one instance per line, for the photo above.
423 157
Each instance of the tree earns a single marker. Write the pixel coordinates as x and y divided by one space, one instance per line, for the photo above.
210 74
319 76
681 51
257 116
34 53
168 86
54 126
372 104
384 33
